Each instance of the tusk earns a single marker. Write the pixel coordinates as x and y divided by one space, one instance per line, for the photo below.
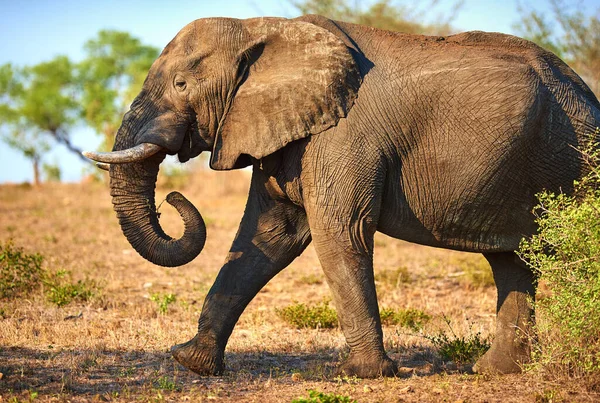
103 166
133 154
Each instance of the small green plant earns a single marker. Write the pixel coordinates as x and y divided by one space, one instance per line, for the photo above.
303 316
20 272
548 396
61 291
30 397
393 277
315 396
565 254
461 350
163 301
410 318
165 383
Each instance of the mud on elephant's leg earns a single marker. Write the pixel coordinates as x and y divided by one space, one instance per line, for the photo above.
514 323
271 235
348 267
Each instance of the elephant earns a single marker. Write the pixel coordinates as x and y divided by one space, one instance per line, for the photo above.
437 140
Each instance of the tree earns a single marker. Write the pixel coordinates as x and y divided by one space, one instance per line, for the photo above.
40 104
110 76
572 35
383 14
37 102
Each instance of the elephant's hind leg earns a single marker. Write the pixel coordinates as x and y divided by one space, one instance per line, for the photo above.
272 234
516 289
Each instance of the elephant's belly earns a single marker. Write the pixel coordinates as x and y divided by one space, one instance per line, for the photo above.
476 223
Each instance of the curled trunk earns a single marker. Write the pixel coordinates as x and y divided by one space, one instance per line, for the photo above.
132 188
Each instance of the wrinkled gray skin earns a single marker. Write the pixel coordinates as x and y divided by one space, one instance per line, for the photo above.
351 130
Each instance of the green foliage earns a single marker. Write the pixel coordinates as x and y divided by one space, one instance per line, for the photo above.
461 350
20 272
384 14
111 75
569 33
306 316
315 396
61 291
163 301
410 318
40 104
565 253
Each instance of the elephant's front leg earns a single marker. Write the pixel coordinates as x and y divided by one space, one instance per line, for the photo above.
345 249
271 235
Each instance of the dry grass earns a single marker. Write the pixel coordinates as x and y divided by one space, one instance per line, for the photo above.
115 347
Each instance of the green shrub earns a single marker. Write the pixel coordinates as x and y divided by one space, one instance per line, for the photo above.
461 350
565 254
303 316
60 289
163 301
315 396
20 272
411 318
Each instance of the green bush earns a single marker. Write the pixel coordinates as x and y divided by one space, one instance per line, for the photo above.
461 350
565 254
303 316
61 291
20 272
411 318
315 396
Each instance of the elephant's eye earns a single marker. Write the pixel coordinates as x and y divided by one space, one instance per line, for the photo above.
180 84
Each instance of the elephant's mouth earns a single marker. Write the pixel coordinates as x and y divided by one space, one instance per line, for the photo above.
195 140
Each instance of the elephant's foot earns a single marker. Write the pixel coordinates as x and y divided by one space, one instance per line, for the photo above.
367 367
502 360
203 358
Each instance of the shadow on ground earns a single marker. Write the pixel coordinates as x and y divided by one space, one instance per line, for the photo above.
93 372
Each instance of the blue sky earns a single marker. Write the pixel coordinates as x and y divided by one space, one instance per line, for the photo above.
33 31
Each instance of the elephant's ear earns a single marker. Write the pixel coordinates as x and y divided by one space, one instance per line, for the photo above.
298 79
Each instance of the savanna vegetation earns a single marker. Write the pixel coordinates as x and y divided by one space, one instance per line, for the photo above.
83 317
88 319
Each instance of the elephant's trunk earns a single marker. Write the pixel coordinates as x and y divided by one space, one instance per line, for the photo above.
132 188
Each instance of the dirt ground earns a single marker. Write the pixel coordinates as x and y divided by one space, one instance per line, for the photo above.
116 346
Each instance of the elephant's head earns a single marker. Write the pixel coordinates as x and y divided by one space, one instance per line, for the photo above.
239 88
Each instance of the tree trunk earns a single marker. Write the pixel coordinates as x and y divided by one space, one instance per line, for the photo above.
36 171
